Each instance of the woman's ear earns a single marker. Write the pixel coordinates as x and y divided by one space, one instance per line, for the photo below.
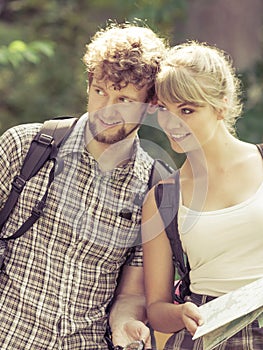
220 114
222 111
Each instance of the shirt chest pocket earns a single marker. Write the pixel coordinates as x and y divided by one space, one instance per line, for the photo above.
110 227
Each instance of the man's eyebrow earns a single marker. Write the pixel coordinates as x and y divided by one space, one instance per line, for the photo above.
97 86
129 97
102 87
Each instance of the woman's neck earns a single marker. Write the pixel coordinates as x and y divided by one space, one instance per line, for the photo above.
218 152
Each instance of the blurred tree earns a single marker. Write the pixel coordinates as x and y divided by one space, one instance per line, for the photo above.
57 84
250 125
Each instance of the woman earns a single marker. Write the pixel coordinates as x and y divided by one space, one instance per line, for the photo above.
221 196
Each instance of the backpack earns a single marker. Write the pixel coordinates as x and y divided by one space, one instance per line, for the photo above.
167 200
44 147
167 196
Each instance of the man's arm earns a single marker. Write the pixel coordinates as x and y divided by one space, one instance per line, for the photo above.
128 313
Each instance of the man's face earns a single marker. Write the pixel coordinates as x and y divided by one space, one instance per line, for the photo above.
115 114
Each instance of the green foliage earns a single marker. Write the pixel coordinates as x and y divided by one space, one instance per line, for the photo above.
42 44
160 15
18 51
250 126
41 48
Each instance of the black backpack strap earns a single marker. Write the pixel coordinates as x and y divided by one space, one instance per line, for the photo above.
43 147
160 171
167 196
36 212
260 148
59 128
167 201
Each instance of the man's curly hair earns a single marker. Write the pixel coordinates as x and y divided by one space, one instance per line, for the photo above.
125 53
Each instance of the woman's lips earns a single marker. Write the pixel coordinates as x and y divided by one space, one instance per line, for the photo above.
178 137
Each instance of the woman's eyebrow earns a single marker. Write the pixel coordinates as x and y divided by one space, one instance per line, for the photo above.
183 104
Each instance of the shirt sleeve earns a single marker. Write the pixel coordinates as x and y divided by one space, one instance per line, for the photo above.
14 144
137 259
6 153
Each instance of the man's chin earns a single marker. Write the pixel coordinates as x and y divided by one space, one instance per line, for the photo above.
110 139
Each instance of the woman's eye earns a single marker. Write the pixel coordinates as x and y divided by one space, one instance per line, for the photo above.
187 110
161 108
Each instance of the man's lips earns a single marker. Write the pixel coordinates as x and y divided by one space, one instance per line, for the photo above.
108 124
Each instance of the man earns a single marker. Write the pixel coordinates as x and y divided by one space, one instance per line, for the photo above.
60 277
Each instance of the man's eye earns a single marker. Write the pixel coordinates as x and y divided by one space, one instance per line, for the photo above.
100 92
125 100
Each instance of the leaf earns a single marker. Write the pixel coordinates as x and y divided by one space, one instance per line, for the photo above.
31 56
17 45
46 48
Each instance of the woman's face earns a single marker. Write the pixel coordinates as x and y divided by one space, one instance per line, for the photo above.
188 126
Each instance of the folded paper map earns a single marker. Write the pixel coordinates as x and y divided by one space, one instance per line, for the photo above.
229 313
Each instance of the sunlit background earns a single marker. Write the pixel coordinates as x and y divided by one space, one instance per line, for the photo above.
42 44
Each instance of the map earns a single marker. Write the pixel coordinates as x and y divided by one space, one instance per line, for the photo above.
228 314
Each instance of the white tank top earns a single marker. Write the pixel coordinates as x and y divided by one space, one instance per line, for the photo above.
224 247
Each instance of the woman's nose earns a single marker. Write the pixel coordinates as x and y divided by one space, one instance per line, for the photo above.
172 121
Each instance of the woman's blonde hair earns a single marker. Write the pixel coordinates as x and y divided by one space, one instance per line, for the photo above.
197 73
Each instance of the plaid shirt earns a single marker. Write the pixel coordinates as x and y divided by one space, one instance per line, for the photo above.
60 276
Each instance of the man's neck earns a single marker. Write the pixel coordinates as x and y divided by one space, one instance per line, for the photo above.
110 156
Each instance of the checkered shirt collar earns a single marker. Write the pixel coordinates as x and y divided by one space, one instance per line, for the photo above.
76 144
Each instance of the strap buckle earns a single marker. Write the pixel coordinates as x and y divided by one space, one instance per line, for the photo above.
37 211
18 183
45 139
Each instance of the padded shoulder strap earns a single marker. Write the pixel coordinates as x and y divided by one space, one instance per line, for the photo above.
167 200
43 147
45 144
260 148
59 128
160 171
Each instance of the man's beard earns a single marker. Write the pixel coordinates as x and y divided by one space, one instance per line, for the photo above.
102 137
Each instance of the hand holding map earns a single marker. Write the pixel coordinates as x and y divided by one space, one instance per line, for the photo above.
228 314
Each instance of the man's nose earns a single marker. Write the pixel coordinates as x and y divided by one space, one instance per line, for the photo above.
110 109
